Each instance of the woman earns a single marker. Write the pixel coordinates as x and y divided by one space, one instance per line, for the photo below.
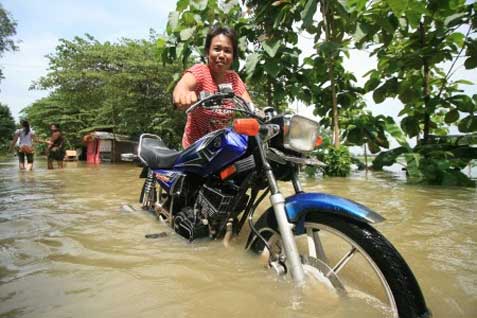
26 138
221 51
56 151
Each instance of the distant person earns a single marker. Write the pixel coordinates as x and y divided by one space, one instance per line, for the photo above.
56 147
24 138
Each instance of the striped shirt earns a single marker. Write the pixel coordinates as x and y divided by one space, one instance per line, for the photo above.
202 121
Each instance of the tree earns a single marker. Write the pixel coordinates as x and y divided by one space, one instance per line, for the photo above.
7 30
117 85
7 127
412 41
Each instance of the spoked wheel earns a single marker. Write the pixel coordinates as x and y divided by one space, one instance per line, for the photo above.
354 259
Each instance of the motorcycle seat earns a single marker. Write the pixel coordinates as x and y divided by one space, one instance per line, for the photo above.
157 155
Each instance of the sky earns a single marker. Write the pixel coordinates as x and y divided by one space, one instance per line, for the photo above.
41 23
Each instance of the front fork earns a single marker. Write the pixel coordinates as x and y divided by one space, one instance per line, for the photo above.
286 229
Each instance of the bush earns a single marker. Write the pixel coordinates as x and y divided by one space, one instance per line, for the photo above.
338 161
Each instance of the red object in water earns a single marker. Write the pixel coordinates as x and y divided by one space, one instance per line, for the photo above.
92 154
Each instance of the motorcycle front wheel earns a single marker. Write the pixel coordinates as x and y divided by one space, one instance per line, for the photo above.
353 258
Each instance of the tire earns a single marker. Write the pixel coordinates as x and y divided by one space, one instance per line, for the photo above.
403 296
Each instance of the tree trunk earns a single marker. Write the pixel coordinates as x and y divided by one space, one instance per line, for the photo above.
336 126
365 159
328 26
425 84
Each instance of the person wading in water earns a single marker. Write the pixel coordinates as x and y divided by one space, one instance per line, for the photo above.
26 138
56 150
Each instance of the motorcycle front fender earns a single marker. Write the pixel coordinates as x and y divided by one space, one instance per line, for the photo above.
299 205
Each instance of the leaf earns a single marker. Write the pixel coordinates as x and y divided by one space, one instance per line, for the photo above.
271 46
454 19
452 116
468 124
173 21
182 5
470 63
200 5
396 132
161 43
388 158
412 167
373 148
379 95
407 94
464 82
397 6
361 32
463 103
308 13
371 84
328 48
458 38
186 34
410 125
251 64
271 68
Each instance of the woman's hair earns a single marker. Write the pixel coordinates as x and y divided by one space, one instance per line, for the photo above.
26 126
56 126
218 29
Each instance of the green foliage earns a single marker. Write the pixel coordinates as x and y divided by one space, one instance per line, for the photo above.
8 28
361 127
337 160
439 163
411 40
122 85
7 127
321 80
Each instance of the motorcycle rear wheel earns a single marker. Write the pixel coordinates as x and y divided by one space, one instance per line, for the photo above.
348 254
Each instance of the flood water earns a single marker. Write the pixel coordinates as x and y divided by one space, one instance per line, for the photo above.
68 249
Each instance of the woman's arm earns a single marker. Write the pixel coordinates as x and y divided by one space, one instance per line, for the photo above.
246 96
34 138
184 93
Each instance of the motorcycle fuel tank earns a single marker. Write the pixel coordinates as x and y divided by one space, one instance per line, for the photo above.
212 152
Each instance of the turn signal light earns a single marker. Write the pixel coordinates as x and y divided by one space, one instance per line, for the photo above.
247 126
318 141
227 172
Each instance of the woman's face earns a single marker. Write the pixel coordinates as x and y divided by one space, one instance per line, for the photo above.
221 53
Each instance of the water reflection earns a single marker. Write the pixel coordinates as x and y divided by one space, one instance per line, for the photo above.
67 249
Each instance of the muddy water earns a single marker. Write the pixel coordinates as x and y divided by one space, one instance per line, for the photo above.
67 249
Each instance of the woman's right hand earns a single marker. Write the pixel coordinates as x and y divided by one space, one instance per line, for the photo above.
184 94
183 99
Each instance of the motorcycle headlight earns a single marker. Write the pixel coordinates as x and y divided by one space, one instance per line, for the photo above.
299 133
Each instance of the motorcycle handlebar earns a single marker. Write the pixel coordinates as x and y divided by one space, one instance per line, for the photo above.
217 98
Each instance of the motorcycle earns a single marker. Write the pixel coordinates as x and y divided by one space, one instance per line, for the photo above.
212 188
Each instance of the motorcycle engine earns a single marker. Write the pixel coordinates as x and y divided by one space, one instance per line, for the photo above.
213 206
